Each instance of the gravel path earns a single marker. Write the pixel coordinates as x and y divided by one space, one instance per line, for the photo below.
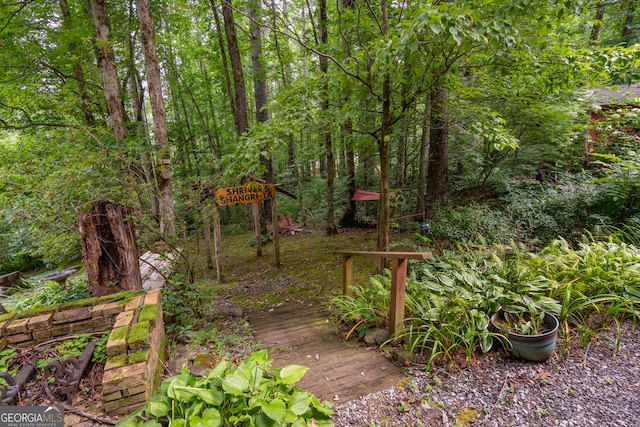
590 386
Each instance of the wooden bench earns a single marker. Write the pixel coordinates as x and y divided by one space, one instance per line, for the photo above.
398 279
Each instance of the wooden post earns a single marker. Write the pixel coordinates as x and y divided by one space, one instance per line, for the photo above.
276 232
254 208
398 290
217 241
206 233
347 275
398 279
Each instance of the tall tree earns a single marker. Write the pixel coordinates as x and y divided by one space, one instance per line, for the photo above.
629 26
326 133
239 91
78 72
165 181
384 209
107 64
260 95
438 160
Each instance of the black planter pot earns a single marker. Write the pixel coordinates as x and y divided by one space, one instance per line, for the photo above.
536 348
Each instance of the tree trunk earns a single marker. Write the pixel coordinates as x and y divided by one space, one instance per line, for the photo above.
260 96
78 72
108 72
595 31
328 143
424 147
437 173
165 181
225 65
147 173
384 211
110 250
627 28
240 96
349 216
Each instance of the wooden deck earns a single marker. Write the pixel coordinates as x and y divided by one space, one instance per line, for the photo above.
301 333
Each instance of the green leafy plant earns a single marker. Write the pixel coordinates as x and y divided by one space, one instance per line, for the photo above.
249 394
6 363
100 352
51 293
451 297
523 323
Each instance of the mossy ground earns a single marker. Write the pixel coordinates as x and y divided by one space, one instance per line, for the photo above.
213 312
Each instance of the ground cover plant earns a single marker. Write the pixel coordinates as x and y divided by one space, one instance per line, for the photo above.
451 297
251 393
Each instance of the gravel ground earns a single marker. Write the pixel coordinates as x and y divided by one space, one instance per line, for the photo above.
587 385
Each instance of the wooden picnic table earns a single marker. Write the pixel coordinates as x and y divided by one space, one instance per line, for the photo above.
398 279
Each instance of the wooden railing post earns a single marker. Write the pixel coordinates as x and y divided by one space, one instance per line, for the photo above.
347 275
398 280
398 289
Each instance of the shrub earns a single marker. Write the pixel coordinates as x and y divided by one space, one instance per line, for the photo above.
467 223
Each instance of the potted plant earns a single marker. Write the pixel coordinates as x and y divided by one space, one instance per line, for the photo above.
532 332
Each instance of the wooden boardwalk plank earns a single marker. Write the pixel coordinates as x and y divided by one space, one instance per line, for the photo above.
300 333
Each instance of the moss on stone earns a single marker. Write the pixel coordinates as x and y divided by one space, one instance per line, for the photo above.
139 335
139 356
118 334
123 297
116 361
7 316
148 313
206 360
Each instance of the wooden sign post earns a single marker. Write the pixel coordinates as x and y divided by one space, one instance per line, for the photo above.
250 193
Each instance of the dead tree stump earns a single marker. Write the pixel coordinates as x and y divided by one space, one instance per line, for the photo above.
110 250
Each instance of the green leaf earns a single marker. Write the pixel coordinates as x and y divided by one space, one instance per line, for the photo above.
235 384
127 422
211 397
300 402
218 370
274 409
159 406
292 373
260 357
176 389
262 420
436 27
210 418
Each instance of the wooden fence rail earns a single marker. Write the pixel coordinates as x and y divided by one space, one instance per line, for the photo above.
398 279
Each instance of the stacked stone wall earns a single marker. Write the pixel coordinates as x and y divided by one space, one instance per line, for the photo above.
135 349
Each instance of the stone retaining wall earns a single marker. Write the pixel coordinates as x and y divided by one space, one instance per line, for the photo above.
135 352
135 349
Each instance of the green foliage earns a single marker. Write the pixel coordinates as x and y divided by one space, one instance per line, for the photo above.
6 361
100 352
450 298
370 304
72 347
43 294
249 394
466 223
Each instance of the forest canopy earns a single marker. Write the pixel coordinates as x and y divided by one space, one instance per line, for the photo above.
154 105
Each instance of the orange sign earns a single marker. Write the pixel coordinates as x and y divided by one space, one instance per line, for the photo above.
252 192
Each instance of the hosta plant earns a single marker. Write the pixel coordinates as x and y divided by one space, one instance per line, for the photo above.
249 394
